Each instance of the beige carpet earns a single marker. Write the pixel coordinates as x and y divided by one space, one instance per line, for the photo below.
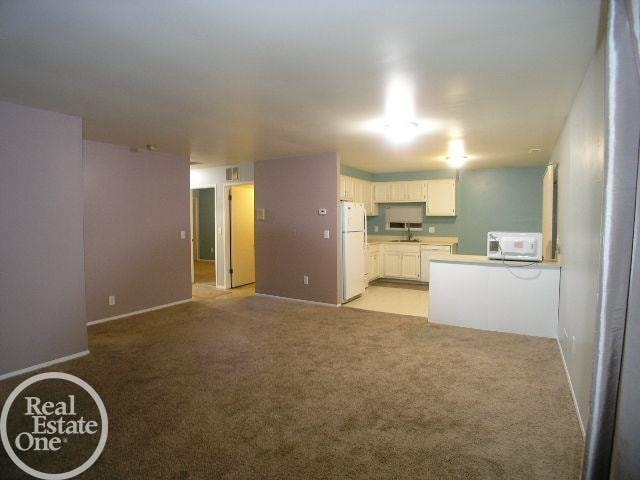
240 387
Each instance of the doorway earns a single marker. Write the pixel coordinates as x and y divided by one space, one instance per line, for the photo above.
203 236
241 235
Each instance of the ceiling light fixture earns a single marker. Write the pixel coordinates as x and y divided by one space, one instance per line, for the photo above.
457 156
401 132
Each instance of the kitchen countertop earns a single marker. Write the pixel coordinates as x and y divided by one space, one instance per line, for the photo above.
481 259
393 239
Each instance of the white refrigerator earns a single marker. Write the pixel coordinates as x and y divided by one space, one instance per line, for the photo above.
354 249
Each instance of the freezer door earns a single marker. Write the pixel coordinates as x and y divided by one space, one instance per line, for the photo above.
353 264
354 217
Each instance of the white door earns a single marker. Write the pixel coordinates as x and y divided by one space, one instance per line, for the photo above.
415 192
392 264
441 197
398 191
547 213
243 262
354 251
411 266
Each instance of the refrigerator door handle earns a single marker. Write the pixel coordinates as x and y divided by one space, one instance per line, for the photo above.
364 214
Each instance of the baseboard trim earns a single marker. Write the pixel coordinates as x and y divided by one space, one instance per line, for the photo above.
66 358
137 312
573 393
297 300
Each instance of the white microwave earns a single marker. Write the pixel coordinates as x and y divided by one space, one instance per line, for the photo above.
514 246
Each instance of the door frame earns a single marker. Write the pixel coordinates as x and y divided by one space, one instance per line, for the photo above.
215 250
226 229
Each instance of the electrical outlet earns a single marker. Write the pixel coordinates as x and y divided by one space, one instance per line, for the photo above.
375 228
432 229
211 249
112 300
305 279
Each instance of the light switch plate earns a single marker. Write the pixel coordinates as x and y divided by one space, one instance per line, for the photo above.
432 229
112 300
327 234
183 234
261 214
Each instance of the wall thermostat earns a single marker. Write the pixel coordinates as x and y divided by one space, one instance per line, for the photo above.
322 211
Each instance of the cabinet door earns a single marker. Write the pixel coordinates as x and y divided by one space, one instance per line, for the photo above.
366 197
392 265
411 266
415 192
441 197
343 187
349 186
357 191
381 192
398 191
373 266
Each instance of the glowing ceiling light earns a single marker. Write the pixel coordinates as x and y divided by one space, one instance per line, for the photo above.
457 156
400 124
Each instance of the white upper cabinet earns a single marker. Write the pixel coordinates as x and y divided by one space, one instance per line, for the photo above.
360 191
343 187
441 198
439 195
349 187
416 192
381 192
357 191
398 191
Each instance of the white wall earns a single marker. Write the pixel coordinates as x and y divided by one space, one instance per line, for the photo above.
579 154
216 177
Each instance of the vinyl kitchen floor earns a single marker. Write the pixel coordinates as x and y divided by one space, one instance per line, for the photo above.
403 301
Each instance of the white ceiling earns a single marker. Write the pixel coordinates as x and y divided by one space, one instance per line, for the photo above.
235 81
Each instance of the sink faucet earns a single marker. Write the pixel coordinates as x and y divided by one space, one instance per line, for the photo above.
409 234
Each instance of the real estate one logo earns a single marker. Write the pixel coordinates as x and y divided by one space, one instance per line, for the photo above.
48 426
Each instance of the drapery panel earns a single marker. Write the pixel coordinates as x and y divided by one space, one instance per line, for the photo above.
616 309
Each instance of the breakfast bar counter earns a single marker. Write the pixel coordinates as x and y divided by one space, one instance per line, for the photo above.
512 297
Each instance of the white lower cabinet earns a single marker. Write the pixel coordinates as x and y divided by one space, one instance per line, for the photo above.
392 264
411 266
402 261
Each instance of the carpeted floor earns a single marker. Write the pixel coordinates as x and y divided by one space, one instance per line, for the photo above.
240 387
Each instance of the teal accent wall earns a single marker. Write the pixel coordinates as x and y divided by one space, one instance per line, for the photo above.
355 172
207 223
501 199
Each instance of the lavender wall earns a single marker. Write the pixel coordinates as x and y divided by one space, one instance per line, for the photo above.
42 309
290 243
136 204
